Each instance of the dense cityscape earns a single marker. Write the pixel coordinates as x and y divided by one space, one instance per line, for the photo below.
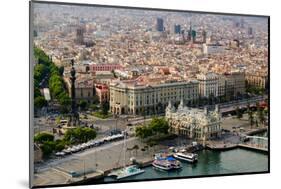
120 94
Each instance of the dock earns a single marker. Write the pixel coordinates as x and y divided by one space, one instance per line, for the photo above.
256 131
254 148
224 147
221 147
145 162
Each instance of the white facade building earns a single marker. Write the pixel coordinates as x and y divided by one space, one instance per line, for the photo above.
208 84
194 123
129 97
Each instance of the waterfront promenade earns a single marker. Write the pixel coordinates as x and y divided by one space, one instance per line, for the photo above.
95 162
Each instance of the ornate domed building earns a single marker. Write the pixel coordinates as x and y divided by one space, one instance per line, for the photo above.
199 124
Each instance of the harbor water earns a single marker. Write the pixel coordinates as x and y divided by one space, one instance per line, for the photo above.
211 163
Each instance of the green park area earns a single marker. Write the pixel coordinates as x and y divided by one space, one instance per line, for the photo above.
157 130
73 136
47 74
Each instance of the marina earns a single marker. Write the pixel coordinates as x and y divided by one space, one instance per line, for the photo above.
211 163
218 159
96 165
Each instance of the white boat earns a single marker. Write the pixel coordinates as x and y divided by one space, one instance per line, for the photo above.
190 157
166 157
126 172
162 164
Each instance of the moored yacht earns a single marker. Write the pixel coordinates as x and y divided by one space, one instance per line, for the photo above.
175 163
126 172
162 164
166 162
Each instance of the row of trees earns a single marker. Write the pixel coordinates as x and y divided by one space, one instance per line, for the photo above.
79 135
212 99
48 144
155 127
58 92
72 136
46 73
257 117
41 71
255 89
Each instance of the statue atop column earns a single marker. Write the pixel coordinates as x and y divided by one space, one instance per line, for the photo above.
74 117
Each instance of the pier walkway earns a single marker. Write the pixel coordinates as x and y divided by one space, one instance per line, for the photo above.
254 147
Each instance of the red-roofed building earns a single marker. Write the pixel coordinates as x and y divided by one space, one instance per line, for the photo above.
102 92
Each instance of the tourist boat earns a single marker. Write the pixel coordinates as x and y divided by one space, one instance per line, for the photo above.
162 164
174 163
166 162
165 156
126 172
189 157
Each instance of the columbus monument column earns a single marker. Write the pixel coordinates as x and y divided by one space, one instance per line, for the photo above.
74 117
